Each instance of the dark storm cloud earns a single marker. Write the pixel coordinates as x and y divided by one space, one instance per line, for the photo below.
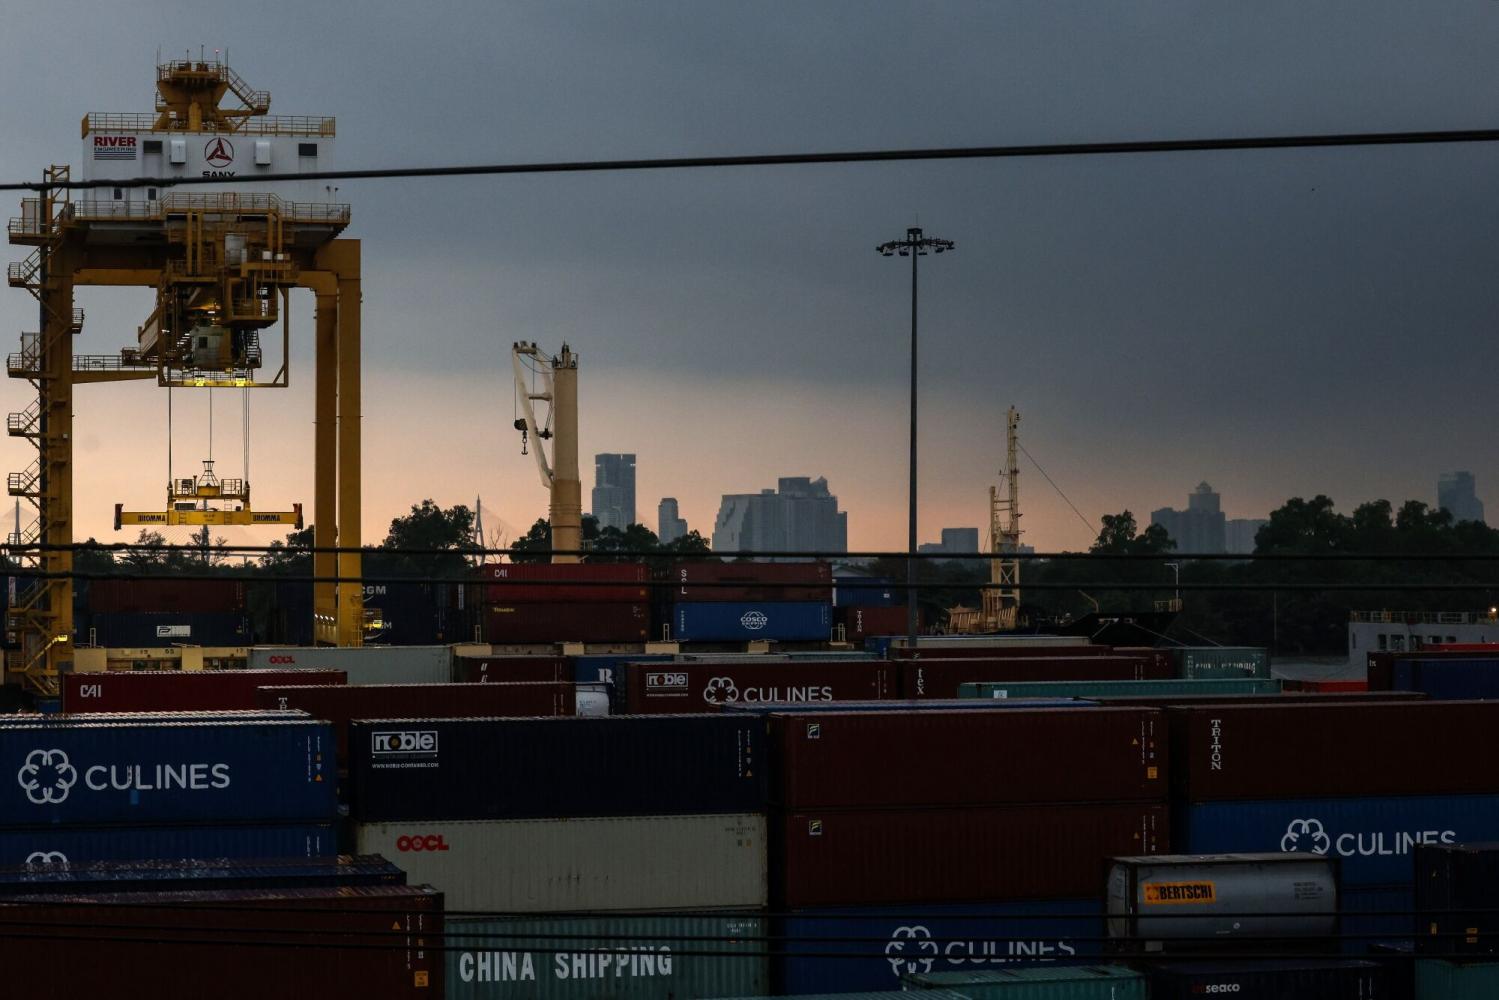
1287 316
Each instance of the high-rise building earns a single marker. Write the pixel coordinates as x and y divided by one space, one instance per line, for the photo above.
960 541
669 526
1455 493
1240 532
1199 528
800 515
614 490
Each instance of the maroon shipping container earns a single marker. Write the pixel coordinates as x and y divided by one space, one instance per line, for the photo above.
751 581
1023 755
144 595
1301 747
511 669
859 622
341 705
353 941
1008 652
567 623
897 856
654 688
179 690
566 583
925 678
1163 659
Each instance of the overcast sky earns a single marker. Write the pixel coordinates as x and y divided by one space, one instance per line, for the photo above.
1277 323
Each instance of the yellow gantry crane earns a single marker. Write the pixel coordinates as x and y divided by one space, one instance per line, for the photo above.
223 260
557 376
1000 610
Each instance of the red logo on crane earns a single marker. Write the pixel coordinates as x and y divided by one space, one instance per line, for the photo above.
219 152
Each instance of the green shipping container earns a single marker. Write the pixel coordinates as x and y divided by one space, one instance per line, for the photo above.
877 995
1224 661
624 957
1096 982
1438 980
1119 689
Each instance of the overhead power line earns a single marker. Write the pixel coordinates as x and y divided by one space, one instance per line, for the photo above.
802 159
1086 523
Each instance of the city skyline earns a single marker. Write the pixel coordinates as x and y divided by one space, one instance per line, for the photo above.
1140 308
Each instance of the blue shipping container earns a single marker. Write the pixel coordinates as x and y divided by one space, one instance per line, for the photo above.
1377 915
866 592
529 768
609 669
83 845
1449 679
117 630
742 622
155 875
952 938
1375 838
167 772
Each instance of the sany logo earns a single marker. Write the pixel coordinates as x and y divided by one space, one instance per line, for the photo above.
720 690
46 858
219 152
754 620
47 776
922 950
1316 837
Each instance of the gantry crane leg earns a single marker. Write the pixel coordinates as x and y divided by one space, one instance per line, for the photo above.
338 609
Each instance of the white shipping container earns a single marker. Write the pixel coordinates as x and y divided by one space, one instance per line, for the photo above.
561 865
363 664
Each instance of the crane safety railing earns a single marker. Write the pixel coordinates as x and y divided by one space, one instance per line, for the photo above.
29 357
25 421
1422 617
211 203
24 483
22 273
306 126
28 535
110 363
30 222
216 69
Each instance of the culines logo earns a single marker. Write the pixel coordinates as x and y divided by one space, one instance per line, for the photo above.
911 950
46 858
47 776
1308 832
720 690
219 152
754 620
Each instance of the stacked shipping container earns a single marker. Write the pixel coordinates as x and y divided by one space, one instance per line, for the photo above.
1365 782
526 603
916 850
715 601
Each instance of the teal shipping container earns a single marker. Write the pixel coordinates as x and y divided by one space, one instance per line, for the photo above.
877 995
623 957
1205 662
1438 980
1230 687
1077 982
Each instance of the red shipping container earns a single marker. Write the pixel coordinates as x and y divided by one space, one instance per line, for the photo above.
567 623
1460 647
751 581
655 688
1294 748
179 690
860 622
996 652
247 944
566 583
145 595
1162 659
511 669
1024 755
935 678
1293 697
342 705
899 856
